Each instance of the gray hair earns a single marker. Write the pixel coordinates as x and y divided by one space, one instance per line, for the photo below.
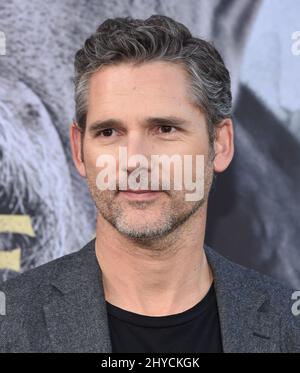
156 38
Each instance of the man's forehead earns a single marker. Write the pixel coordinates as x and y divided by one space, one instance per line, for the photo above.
152 89
162 77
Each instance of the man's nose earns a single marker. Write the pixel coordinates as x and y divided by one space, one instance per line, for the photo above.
138 144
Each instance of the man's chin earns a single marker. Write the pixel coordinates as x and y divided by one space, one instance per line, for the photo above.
146 231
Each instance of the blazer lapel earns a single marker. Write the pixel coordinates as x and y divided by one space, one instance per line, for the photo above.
248 322
76 315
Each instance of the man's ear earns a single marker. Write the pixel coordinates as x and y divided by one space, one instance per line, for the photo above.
76 138
223 145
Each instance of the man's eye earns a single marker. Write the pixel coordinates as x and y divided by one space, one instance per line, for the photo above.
107 132
167 129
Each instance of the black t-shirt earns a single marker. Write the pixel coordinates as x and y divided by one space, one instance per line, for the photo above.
194 330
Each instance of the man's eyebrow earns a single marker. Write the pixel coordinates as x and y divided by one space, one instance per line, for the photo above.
167 121
102 124
159 121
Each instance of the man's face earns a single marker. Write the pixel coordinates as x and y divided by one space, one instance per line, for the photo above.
131 95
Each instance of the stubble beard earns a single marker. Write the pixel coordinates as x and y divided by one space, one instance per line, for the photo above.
174 212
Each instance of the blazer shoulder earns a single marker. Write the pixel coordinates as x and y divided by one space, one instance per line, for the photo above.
246 283
26 294
260 282
32 279
30 289
242 277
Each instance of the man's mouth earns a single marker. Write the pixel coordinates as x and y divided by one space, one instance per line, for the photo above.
140 194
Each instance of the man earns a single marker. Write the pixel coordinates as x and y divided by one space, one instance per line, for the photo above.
147 282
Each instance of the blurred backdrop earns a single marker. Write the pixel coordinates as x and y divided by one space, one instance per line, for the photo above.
45 207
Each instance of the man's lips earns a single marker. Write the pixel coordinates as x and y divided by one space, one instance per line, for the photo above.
140 194
139 191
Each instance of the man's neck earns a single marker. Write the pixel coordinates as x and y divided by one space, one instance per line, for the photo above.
168 276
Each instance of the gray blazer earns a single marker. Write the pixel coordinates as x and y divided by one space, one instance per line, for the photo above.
60 307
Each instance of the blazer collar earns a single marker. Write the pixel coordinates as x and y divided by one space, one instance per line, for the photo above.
76 315
248 321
